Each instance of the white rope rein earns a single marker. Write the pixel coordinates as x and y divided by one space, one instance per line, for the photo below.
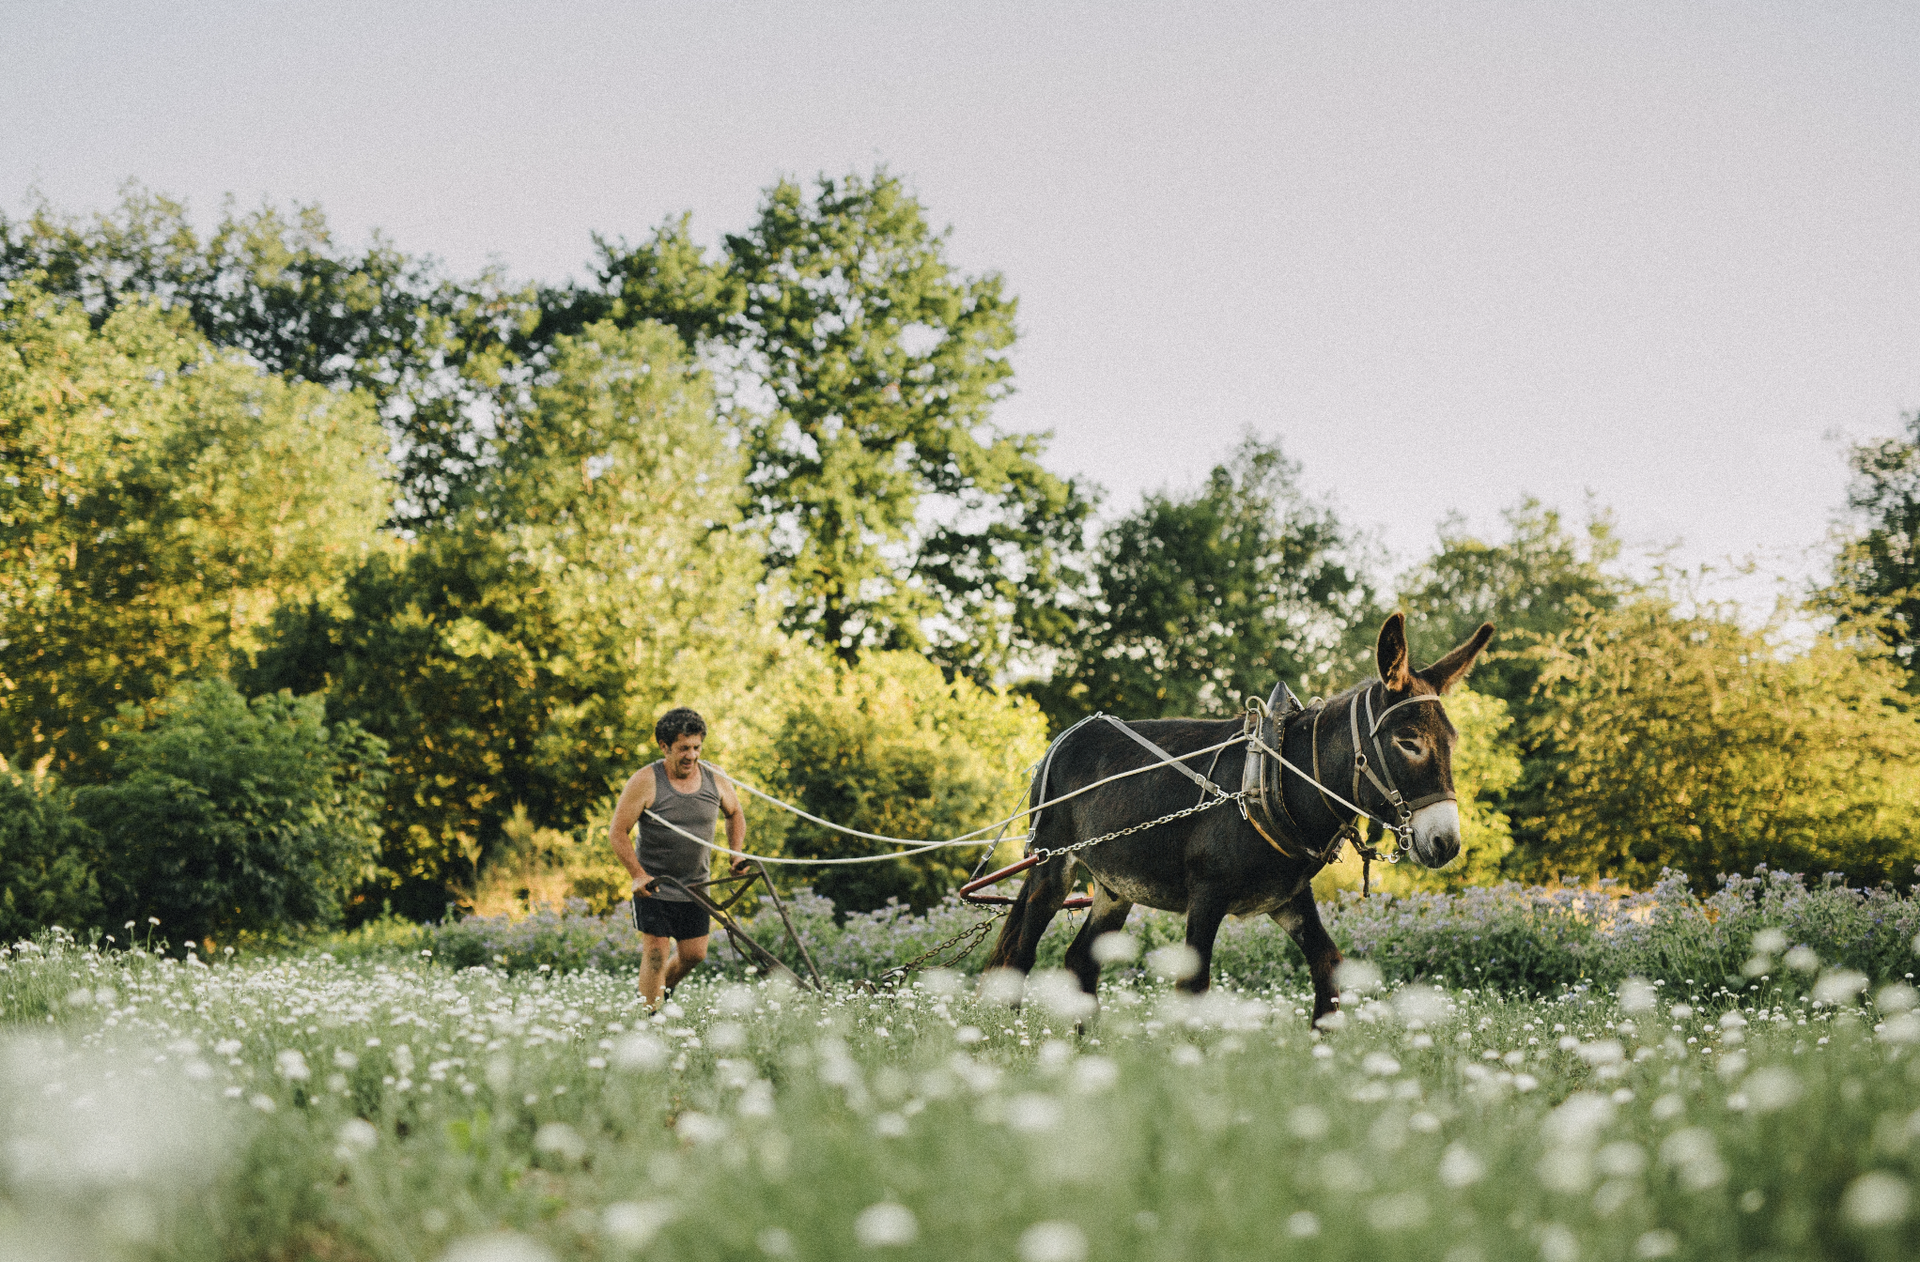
917 846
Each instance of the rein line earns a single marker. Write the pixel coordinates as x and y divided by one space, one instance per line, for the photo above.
1250 737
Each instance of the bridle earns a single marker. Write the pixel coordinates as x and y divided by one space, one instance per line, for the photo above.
1377 770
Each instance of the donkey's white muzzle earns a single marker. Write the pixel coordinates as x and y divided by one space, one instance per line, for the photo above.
1436 834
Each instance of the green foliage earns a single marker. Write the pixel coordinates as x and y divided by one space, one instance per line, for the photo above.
432 353
896 515
227 816
1532 585
892 747
49 860
159 499
1203 600
1689 742
1876 579
520 652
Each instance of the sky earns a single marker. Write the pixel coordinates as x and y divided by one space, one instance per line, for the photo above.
1663 258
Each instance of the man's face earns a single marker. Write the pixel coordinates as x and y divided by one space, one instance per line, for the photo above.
683 755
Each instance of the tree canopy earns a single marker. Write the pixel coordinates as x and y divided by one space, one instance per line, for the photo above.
1201 599
1685 741
159 499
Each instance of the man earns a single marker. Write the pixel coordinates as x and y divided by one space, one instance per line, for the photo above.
686 792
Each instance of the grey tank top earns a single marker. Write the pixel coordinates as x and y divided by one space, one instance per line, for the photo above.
664 852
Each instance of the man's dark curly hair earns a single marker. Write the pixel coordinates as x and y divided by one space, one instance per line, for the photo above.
676 723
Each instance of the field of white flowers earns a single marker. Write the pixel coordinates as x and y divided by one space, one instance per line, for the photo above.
311 1108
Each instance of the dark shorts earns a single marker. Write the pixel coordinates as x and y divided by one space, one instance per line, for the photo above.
664 919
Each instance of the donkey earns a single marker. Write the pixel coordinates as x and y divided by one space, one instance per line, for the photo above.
1218 863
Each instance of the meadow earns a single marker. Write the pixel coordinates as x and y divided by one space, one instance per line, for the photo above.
397 1106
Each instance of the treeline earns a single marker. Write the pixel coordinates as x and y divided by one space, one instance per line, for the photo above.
330 581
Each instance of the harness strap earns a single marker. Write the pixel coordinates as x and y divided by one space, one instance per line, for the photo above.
1205 784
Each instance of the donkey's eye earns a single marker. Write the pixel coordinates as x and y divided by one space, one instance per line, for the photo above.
1407 745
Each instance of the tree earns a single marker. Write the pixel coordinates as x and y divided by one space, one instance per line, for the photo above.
158 500
1688 742
892 747
1876 576
518 654
225 815
1205 599
1532 585
866 370
441 359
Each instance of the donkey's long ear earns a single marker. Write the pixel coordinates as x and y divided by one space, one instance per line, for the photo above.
1446 672
1392 653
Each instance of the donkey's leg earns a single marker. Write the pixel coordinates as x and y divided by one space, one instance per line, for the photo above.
1206 908
1301 919
1108 914
1033 910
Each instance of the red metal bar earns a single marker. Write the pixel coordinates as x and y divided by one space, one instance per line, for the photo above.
994 878
968 892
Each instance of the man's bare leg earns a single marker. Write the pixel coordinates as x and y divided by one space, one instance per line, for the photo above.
663 962
688 954
654 955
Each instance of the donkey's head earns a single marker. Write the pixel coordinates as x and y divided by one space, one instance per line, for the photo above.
1416 741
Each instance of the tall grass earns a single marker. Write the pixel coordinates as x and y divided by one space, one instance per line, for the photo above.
1513 938
317 1108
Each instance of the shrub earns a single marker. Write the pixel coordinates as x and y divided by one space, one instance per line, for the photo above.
892 747
49 860
233 816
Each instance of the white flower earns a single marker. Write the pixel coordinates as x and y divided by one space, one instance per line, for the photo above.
502 1247
1839 986
292 1065
561 1140
1058 993
1308 1122
1578 1121
1695 1158
1460 1166
1002 985
1175 962
1053 1242
1033 1112
1093 1074
641 1053
1771 1089
1420 1005
1115 948
1601 1052
358 1135
878 1226
1358 976
635 1223
1303 1224
1637 996
698 1128
1380 1065
1878 1199
1656 1244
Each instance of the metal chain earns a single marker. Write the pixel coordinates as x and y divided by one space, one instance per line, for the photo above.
1195 809
977 932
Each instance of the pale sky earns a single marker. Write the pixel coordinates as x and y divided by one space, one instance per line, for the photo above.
1449 253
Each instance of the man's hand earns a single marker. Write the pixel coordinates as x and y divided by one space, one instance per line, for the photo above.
741 863
643 886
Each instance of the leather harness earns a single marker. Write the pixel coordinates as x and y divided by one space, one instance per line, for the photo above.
1262 782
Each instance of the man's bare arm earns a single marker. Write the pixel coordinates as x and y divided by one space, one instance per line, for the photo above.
736 819
635 798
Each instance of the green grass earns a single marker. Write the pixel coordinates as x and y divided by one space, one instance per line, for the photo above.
319 1108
